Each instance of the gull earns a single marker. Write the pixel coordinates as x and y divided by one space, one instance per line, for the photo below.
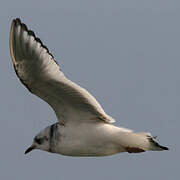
83 128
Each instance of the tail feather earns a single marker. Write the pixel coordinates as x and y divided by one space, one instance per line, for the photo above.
156 145
142 141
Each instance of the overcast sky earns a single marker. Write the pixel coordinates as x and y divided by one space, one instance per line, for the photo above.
127 54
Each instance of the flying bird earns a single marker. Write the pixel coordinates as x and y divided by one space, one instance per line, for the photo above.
83 127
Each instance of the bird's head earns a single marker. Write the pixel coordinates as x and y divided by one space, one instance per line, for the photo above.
41 141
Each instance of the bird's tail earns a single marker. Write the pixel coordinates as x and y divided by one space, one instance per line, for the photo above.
154 145
140 142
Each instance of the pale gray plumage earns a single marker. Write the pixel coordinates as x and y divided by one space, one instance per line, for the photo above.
84 128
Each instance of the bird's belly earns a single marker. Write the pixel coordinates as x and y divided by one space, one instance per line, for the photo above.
88 150
88 143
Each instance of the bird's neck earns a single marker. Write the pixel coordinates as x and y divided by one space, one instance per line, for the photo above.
54 136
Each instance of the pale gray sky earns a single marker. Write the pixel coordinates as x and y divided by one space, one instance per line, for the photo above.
127 54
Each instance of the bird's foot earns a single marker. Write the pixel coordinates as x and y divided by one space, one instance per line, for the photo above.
134 150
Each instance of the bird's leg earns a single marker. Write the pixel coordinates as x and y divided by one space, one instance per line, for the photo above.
134 150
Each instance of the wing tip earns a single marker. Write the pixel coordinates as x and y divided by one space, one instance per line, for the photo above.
17 21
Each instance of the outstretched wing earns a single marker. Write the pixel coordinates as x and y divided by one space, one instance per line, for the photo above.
40 73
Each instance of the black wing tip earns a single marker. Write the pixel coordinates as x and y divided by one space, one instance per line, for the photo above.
31 33
17 21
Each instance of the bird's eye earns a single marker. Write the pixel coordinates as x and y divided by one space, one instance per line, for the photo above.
39 141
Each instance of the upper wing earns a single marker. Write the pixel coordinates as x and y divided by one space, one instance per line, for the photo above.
39 72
